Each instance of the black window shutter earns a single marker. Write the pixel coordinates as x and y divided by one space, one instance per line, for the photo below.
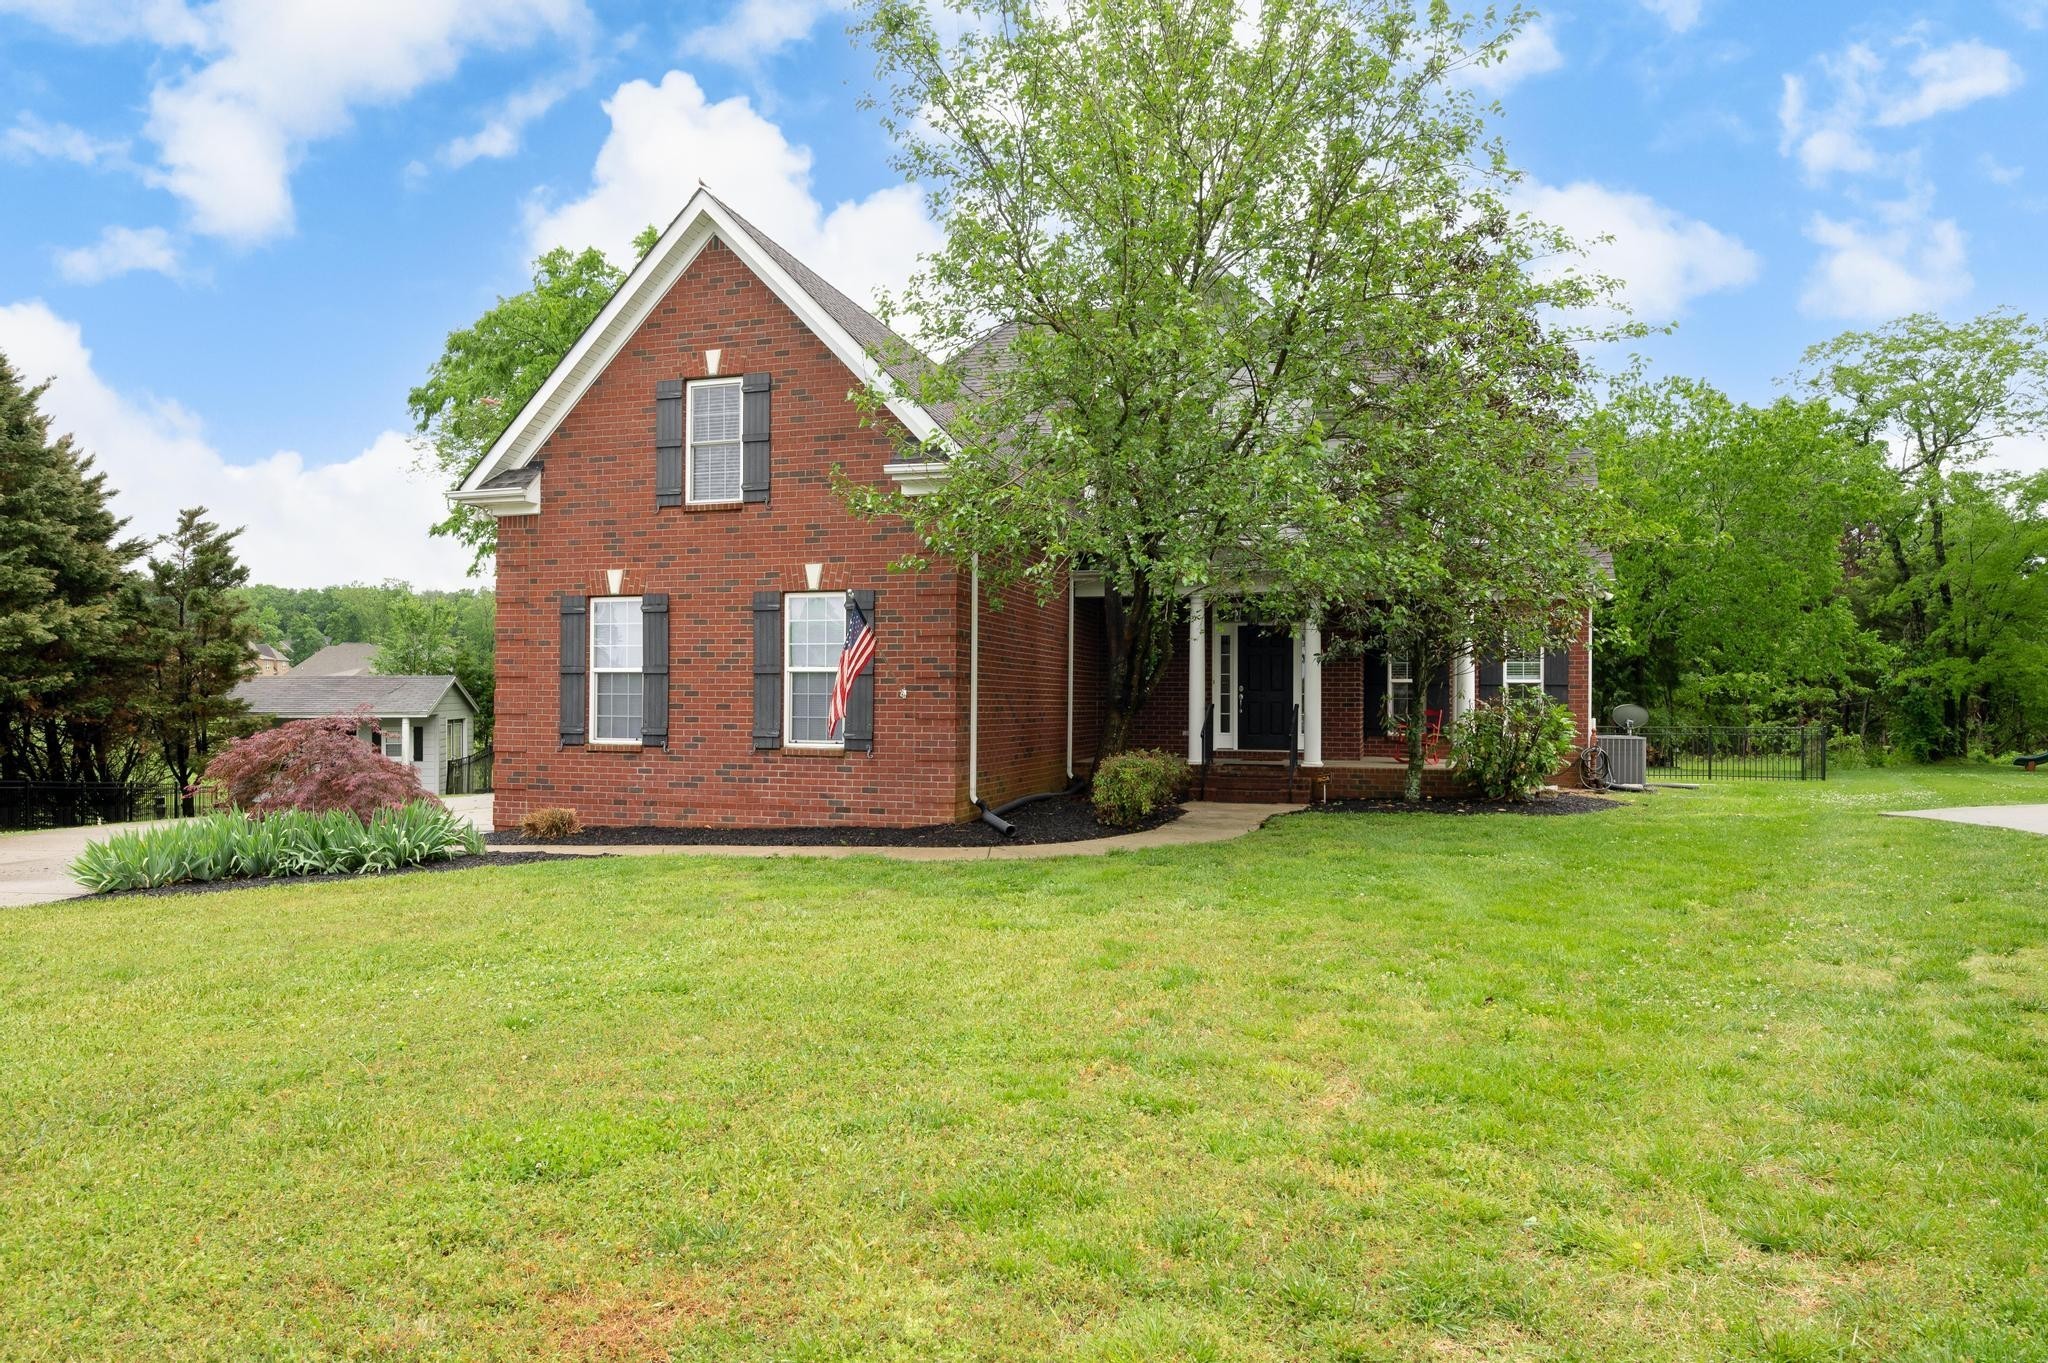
860 702
754 390
1557 675
575 668
654 669
767 669
1438 695
668 443
1375 692
1487 673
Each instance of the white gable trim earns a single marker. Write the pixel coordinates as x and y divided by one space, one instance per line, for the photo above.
702 219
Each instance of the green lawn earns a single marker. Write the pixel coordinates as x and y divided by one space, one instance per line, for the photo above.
1744 1072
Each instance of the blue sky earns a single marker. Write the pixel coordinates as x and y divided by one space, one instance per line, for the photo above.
236 232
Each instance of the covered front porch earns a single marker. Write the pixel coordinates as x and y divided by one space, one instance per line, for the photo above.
1266 696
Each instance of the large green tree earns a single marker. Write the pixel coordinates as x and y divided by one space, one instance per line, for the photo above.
1736 531
69 654
1218 240
200 628
1937 397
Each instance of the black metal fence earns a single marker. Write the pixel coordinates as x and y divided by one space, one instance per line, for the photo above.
76 804
1767 752
469 775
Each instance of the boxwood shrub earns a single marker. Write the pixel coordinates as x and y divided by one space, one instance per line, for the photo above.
1130 787
234 846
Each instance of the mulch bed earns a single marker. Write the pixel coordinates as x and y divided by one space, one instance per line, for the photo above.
484 862
1563 802
1061 819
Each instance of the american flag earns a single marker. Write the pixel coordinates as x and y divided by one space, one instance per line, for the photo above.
853 660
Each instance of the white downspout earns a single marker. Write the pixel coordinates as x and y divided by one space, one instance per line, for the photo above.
1070 678
974 680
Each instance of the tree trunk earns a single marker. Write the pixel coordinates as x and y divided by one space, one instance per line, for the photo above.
1138 648
1418 724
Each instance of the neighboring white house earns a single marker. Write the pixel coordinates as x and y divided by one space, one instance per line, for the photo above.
425 721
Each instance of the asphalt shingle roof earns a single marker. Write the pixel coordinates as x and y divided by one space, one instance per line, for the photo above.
294 696
339 660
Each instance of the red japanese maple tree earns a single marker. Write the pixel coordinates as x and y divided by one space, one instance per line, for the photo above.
314 764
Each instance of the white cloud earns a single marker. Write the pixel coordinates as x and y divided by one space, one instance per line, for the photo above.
665 138
1680 14
168 22
1903 261
1663 258
119 251
278 77
506 125
1863 90
1998 172
363 518
32 139
2021 453
1949 78
754 29
2032 13
1534 52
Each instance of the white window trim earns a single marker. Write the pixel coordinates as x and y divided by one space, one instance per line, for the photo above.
789 671
1407 665
1507 681
690 391
591 671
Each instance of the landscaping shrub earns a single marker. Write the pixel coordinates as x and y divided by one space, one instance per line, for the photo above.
1511 748
1132 786
313 765
546 825
292 843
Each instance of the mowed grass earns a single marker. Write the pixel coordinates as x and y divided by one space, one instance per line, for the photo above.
1742 1072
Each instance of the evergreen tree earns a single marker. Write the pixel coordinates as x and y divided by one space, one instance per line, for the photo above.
201 627
69 652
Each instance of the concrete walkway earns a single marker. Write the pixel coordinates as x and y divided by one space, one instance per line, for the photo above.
2022 818
35 868
1202 821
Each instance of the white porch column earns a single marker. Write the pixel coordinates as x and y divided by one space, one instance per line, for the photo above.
1464 682
1311 694
405 741
1198 673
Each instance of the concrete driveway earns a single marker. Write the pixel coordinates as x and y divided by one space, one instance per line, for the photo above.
35 868
2023 818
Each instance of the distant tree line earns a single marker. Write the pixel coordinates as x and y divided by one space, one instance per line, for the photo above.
1845 553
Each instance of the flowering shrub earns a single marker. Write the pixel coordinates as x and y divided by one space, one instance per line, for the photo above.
314 765
1129 787
1511 748
289 843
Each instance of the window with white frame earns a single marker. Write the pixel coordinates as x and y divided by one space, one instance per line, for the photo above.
1400 688
712 468
615 683
1523 671
815 628
394 741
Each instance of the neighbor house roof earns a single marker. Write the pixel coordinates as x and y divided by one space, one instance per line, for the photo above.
297 696
853 334
340 660
268 652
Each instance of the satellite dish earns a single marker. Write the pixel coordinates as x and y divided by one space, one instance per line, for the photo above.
1629 717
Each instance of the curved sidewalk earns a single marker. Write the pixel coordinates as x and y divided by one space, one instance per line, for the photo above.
1202 821
2019 818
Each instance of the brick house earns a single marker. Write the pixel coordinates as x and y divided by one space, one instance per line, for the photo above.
674 562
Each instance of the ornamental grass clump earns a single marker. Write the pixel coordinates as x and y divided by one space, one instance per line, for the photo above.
1511 749
237 846
1130 787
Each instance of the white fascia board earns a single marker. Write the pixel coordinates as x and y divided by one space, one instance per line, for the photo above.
500 501
921 478
642 291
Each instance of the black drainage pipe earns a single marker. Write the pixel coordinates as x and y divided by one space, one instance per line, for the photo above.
994 817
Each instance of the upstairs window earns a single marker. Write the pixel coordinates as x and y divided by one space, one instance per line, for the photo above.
712 462
615 682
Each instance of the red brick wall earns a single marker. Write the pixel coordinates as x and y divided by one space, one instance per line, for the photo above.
599 513
1023 730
